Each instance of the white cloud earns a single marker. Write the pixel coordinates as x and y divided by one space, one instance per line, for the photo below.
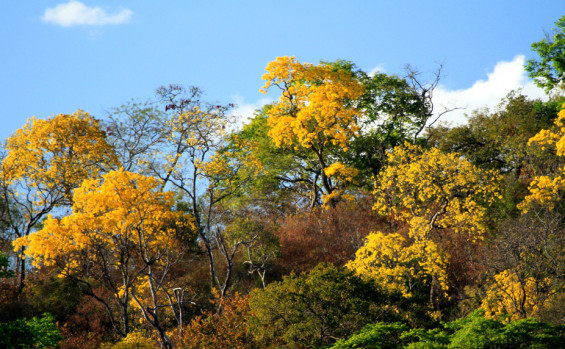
244 111
505 77
378 69
76 13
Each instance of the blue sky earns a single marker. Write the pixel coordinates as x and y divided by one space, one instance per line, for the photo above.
59 56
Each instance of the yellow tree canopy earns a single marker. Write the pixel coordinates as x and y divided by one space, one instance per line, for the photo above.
546 190
313 110
316 111
429 189
56 155
398 265
512 296
121 214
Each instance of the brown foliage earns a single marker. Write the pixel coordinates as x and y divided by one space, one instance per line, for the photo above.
225 329
88 327
465 268
321 235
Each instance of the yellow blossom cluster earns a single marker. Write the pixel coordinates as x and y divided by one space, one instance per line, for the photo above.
547 190
429 189
314 108
242 161
342 175
341 172
510 298
57 154
111 214
398 265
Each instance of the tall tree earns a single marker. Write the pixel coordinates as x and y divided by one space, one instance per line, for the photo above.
122 234
174 139
316 111
44 161
435 195
394 110
317 308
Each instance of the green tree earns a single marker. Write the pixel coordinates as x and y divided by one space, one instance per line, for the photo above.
471 332
498 140
394 110
547 71
27 334
4 266
381 335
273 178
316 308
476 332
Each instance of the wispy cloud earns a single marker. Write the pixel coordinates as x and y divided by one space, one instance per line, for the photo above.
243 111
505 77
378 69
76 13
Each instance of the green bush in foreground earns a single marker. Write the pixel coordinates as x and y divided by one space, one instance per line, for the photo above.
471 332
35 333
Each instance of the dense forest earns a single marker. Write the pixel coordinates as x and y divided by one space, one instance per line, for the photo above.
343 215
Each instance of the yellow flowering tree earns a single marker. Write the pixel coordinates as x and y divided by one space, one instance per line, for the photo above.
547 190
122 234
430 192
44 161
316 112
513 296
263 175
57 154
398 265
528 281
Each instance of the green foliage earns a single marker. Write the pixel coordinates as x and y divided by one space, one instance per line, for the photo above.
498 141
380 335
393 112
317 308
262 172
5 272
58 296
475 331
547 71
35 333
471 332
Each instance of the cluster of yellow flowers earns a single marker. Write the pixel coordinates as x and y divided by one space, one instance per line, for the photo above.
398 265
431 189
312 110
428 190
57 154
514 298
122 209
546 190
